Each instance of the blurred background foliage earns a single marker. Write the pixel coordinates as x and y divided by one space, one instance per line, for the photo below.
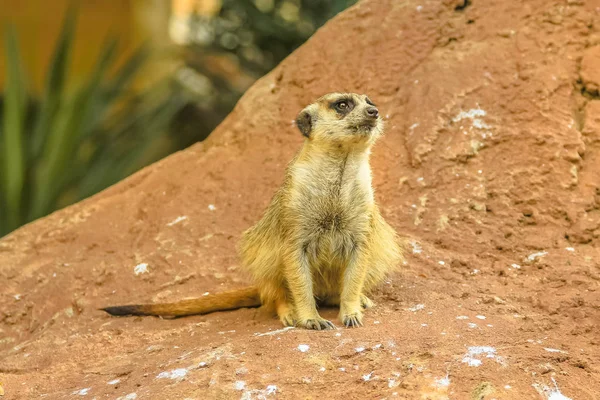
133 82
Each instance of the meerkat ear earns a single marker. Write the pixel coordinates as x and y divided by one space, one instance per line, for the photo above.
304 122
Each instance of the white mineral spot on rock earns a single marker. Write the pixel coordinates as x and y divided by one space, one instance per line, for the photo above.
441 262
423 325
474 115
475 272
507 387
82 392
570 249
178 373
490 325
462 317
392 383
472 325
550 393
377 346
114 381
303 347
287 328
338 334
413 126
416 248
239 385
140 269
516 266
211 207
177 220
271 389
474 353
480 316
367 377
342 369
471 114
419 8
360 349
130 396
534 256
442 382
241 371
374 322
322 369
416 307
550 350
479 124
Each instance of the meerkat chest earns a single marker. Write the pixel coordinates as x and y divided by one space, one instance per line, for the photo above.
332 201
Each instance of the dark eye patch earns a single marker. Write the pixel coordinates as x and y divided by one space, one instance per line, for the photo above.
369 102
342 106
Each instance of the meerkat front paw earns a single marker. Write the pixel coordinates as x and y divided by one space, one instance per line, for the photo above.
319 324
351 314
352 320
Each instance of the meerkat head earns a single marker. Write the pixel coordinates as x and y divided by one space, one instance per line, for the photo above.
341 119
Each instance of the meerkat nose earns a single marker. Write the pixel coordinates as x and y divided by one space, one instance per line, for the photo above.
372 112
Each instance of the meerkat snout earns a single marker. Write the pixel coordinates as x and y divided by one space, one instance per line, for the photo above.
372 112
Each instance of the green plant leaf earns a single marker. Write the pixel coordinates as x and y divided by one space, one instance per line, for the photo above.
72 122
111 92
137 129
125 75
13 177
55 84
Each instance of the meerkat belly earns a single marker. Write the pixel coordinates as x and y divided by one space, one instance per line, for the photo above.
333 242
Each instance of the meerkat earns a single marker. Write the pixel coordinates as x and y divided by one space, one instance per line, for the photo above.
322 239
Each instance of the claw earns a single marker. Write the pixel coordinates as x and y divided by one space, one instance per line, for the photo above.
317 324
352 321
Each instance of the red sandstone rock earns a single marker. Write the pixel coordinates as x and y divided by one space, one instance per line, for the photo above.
489 168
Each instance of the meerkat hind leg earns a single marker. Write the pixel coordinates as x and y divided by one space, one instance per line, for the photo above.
366 302
334 301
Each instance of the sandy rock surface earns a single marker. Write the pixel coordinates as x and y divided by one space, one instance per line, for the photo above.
490 168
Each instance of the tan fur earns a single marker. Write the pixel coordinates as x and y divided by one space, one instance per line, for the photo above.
322 239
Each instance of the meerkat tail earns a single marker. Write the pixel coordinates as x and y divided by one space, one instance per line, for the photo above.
231 300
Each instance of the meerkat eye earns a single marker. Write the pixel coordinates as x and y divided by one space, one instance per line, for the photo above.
342 105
